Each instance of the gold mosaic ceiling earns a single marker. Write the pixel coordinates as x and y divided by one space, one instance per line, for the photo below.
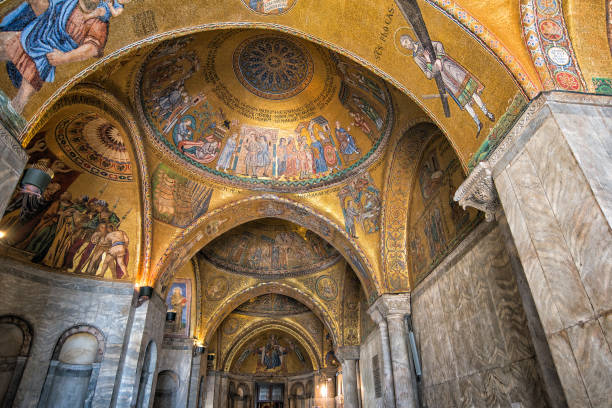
270 248
263 110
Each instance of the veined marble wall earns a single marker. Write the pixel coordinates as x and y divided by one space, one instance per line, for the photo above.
13 160
370 348
472 332
52 303
555 185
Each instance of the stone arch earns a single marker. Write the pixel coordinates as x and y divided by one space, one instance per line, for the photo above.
81 328
166 390
13 359
484 38
258 328
202 231
262 288
87 94
398 184
80 371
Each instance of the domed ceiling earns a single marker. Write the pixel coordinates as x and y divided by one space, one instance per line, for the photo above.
270 248
271 304
263 110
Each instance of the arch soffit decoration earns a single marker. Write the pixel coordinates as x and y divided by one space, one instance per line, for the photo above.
81 328
88 94
405 155
257 329
482 36
189 241
226 308
26 330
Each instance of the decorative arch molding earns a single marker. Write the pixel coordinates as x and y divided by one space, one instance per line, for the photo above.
81 328
554 74
15 364
449 8
223 310
189 241
26 330
400 175
93 95
262 327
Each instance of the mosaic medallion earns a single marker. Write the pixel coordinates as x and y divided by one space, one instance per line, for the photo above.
327 288
95 145
273 67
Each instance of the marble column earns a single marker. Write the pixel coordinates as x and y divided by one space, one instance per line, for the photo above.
224 391
348 356
394 308
13 160
552 175
388 391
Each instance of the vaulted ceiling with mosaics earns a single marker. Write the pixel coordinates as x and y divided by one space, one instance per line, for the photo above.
267 170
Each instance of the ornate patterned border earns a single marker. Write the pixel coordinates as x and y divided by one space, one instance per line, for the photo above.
538 45
394 214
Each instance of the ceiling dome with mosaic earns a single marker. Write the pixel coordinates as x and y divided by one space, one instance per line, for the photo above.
270 248
262 110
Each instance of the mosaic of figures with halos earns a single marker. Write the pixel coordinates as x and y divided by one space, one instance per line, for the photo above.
263 111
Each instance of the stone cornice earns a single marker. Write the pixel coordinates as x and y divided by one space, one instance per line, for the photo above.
391 304
478 190
347 353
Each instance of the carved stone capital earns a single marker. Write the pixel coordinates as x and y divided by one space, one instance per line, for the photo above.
392 304
347 353
478 191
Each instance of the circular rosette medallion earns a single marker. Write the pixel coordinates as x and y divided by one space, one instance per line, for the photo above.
273 67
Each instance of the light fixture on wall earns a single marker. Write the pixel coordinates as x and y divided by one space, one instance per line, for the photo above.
2 234
198 346
144 294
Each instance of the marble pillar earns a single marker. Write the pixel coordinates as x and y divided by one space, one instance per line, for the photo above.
552 175
224 391
146 324
194 381
13 160
388 384
394 309
348 356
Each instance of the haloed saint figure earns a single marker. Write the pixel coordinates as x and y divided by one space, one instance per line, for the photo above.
463 86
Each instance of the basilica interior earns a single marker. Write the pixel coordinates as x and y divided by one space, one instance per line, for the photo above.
306 203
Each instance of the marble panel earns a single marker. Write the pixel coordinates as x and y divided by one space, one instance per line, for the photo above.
538 284
13 160
559 269
586 129
472 330
570 377
594 361
586 233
